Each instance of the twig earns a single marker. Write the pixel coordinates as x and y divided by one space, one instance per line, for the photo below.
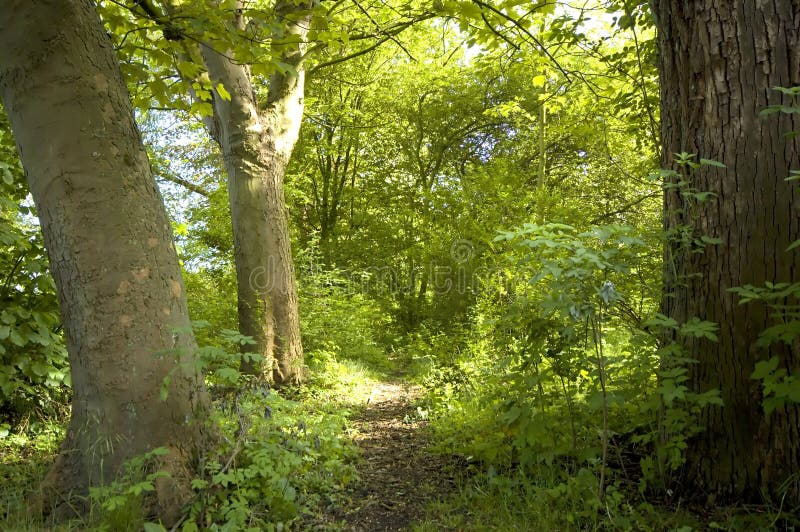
10 275
524 30
378 27
650 115
197 189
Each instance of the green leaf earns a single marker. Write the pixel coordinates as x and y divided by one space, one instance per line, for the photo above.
40 339
673 373
765 368
595 401
16 339
230 375
252 357
785 109
286 68
189 69
163 393
660 320
190 526
771 403
711 162
142 487
711 397
511 415
203 108
154 527
701 197
700 329
546 7
770 110
158 451
793 390
670 392
224 94
222 479
711 240
39 369
791 91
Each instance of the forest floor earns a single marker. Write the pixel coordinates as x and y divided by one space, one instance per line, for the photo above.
398 476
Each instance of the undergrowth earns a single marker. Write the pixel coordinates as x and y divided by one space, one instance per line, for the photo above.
282 456
563 397
567 396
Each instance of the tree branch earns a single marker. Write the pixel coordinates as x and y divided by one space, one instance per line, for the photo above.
388 34
342 59
625 208
197 189
524 30
378 27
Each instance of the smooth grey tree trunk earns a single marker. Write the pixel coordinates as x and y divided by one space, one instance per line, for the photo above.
257 140
109 240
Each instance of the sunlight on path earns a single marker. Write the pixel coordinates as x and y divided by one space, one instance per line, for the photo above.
398 476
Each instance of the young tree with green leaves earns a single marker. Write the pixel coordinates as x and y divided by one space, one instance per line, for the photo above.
131 351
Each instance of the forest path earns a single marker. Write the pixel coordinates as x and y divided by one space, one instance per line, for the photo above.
398 475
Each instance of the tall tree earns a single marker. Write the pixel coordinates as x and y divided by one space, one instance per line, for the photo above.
109 242
719 60
240 44
257 139
256 134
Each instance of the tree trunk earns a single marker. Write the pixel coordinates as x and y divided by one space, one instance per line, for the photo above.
109 241
720 60
257 142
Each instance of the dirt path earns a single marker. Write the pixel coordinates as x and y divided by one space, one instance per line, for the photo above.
398 476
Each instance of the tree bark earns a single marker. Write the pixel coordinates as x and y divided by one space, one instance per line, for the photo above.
109 241
719 61
257 142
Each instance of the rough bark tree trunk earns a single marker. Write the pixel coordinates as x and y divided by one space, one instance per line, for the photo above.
109 241
257 141
719 61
